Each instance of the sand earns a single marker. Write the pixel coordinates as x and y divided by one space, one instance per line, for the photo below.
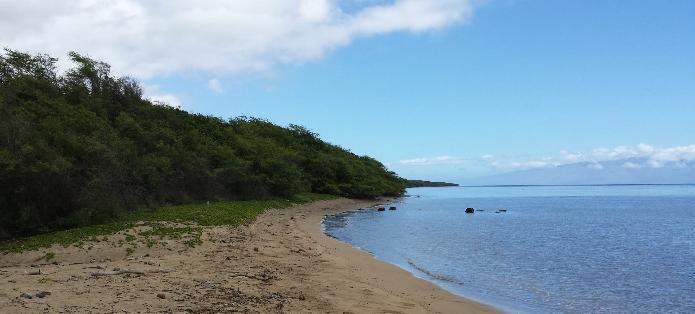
280 263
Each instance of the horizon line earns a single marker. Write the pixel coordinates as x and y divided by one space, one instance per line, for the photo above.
541 185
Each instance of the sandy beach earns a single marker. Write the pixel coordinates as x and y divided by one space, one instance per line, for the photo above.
281 262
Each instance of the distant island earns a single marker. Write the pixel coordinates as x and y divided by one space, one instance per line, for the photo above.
425 183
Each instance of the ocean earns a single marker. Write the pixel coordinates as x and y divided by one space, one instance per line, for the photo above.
556 249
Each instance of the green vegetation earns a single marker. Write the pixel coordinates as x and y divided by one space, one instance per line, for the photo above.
425 183
84 148
168 222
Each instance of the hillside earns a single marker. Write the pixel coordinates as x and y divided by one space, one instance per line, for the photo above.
85 147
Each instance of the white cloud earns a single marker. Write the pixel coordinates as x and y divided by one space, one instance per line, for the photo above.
507 164
674 154
644 155
426 161
215 85
149 37
631 165
154 94
571 157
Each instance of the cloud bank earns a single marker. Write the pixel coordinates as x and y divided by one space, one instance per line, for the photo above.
439 160
638 156
144 38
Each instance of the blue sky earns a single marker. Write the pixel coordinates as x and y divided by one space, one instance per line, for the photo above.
496 88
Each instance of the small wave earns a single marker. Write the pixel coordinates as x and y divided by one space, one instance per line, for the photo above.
435 275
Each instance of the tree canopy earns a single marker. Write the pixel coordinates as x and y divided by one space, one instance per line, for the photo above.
83 147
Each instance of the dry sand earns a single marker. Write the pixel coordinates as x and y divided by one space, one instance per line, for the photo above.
280 263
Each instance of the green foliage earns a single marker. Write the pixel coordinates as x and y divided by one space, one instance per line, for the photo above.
171 222
64 237
84 148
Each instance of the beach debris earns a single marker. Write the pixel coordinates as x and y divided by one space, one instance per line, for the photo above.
265 275
43 294
381 209
470 210
161 295
392 208
159 271
34 272
118 271
26 295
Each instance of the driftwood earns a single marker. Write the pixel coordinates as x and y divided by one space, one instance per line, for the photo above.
159 271
129 271
264 276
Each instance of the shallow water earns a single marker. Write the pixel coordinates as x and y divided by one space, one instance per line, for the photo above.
569 249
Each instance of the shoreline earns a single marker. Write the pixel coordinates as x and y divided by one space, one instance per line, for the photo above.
417 271
394 279
281 262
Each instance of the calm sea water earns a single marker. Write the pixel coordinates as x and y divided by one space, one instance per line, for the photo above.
557 249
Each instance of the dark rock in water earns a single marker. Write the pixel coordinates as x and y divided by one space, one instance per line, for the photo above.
503 210
392 208
470 210
381 209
